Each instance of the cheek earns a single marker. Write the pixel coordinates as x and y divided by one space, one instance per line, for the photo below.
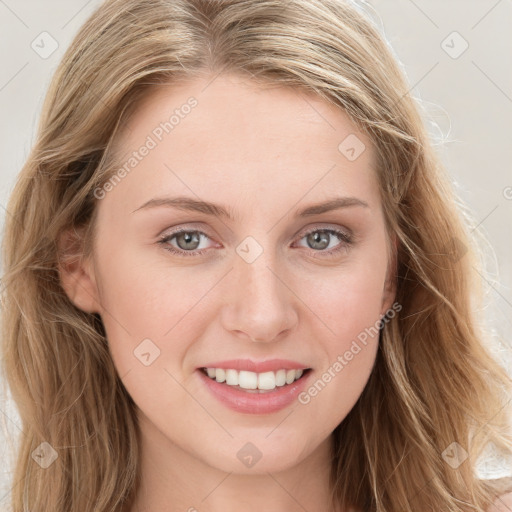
150 302
348 300
349 305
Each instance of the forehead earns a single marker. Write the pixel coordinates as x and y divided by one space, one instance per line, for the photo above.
231 137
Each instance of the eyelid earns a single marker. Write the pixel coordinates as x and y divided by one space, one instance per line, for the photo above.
334 227
165 237
345 235
193 227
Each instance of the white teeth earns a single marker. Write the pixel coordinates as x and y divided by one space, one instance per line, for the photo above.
267 380
252 380
290 376
232 377
280 377
247 380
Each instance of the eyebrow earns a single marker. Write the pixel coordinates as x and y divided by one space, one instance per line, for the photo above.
208 208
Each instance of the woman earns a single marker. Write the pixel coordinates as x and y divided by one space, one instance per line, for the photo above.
314 348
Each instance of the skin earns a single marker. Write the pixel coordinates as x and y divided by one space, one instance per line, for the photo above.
263 153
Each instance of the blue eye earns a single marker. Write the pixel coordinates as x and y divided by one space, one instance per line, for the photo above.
321 237
192 238
185 237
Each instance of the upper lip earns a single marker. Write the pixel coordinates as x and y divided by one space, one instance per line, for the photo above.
257 366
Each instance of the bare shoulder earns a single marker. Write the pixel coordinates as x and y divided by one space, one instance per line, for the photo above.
502 504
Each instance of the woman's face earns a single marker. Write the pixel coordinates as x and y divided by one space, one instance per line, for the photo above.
251 279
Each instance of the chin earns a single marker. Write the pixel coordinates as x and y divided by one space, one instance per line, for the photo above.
258 457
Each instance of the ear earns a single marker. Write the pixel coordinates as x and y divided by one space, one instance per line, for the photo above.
76 273
389 291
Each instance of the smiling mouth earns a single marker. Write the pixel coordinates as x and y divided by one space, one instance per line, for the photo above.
252 382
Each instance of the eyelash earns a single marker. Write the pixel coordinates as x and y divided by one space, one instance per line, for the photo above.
346 242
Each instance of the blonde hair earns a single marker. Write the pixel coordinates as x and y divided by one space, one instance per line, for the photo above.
434 381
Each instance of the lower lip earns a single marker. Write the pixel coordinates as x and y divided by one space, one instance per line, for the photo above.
255 403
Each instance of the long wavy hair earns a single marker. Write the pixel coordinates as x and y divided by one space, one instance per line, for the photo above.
435 382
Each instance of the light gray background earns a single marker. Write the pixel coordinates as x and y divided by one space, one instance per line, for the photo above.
468 101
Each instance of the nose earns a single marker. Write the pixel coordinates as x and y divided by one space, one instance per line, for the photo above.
261 307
